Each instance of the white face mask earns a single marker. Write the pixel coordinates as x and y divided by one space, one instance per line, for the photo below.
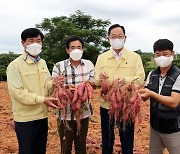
117 43
163 61
76 54
34 49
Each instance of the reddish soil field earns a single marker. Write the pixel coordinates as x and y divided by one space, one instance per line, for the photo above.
8 141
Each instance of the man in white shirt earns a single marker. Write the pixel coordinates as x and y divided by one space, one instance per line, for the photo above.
76 70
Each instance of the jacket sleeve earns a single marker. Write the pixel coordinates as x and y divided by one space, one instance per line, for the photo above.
139 72
49 83
97 71
16 88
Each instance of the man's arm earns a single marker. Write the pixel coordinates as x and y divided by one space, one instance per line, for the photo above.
97 71
139 72
56 70
17 90
91 78
171 101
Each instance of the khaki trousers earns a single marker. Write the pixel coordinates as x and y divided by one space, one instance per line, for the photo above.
160 141
68 136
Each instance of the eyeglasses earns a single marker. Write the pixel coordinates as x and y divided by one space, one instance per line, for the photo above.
118 37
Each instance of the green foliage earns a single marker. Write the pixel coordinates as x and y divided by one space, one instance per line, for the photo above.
147 60
177 61
149 64
93 31
5 59
58 29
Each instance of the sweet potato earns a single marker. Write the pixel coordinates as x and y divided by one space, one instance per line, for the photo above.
80 89
133 99
104 88
90 90
111 91
125 101
75 97
104 85
69 94
84 95
114 101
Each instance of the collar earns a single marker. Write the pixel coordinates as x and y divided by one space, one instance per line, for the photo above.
115 53
29 58
68 62
171 69
110 53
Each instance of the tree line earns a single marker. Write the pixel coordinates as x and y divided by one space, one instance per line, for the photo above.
57 29
147 59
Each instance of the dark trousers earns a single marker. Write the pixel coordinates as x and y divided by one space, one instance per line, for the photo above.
68 136
32 136
107 130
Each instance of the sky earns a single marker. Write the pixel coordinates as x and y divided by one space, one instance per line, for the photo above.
145 21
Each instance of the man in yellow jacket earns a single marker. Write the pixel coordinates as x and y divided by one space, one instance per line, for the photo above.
28 81
117 62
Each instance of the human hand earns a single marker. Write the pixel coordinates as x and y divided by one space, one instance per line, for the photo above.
50 101
121 80
91 83
103 75
59 80
86 81
71 87
145 93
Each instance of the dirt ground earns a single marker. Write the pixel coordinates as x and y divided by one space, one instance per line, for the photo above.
8 141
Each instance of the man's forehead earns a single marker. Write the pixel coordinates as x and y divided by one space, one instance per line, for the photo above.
34 37
162 52
75 43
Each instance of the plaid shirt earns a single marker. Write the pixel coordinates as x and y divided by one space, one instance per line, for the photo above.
34 59
75 75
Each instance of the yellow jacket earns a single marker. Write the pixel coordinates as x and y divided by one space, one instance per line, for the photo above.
28 84
128 66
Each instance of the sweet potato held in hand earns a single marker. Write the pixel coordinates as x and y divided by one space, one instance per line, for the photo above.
73 97
125 101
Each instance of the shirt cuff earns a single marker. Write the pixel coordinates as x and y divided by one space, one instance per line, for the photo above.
40 99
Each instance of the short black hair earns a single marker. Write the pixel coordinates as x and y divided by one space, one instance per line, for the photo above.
31 33
115 26
74 38
163 44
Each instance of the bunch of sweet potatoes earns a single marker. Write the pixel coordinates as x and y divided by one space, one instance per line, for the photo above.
71 95
125 101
